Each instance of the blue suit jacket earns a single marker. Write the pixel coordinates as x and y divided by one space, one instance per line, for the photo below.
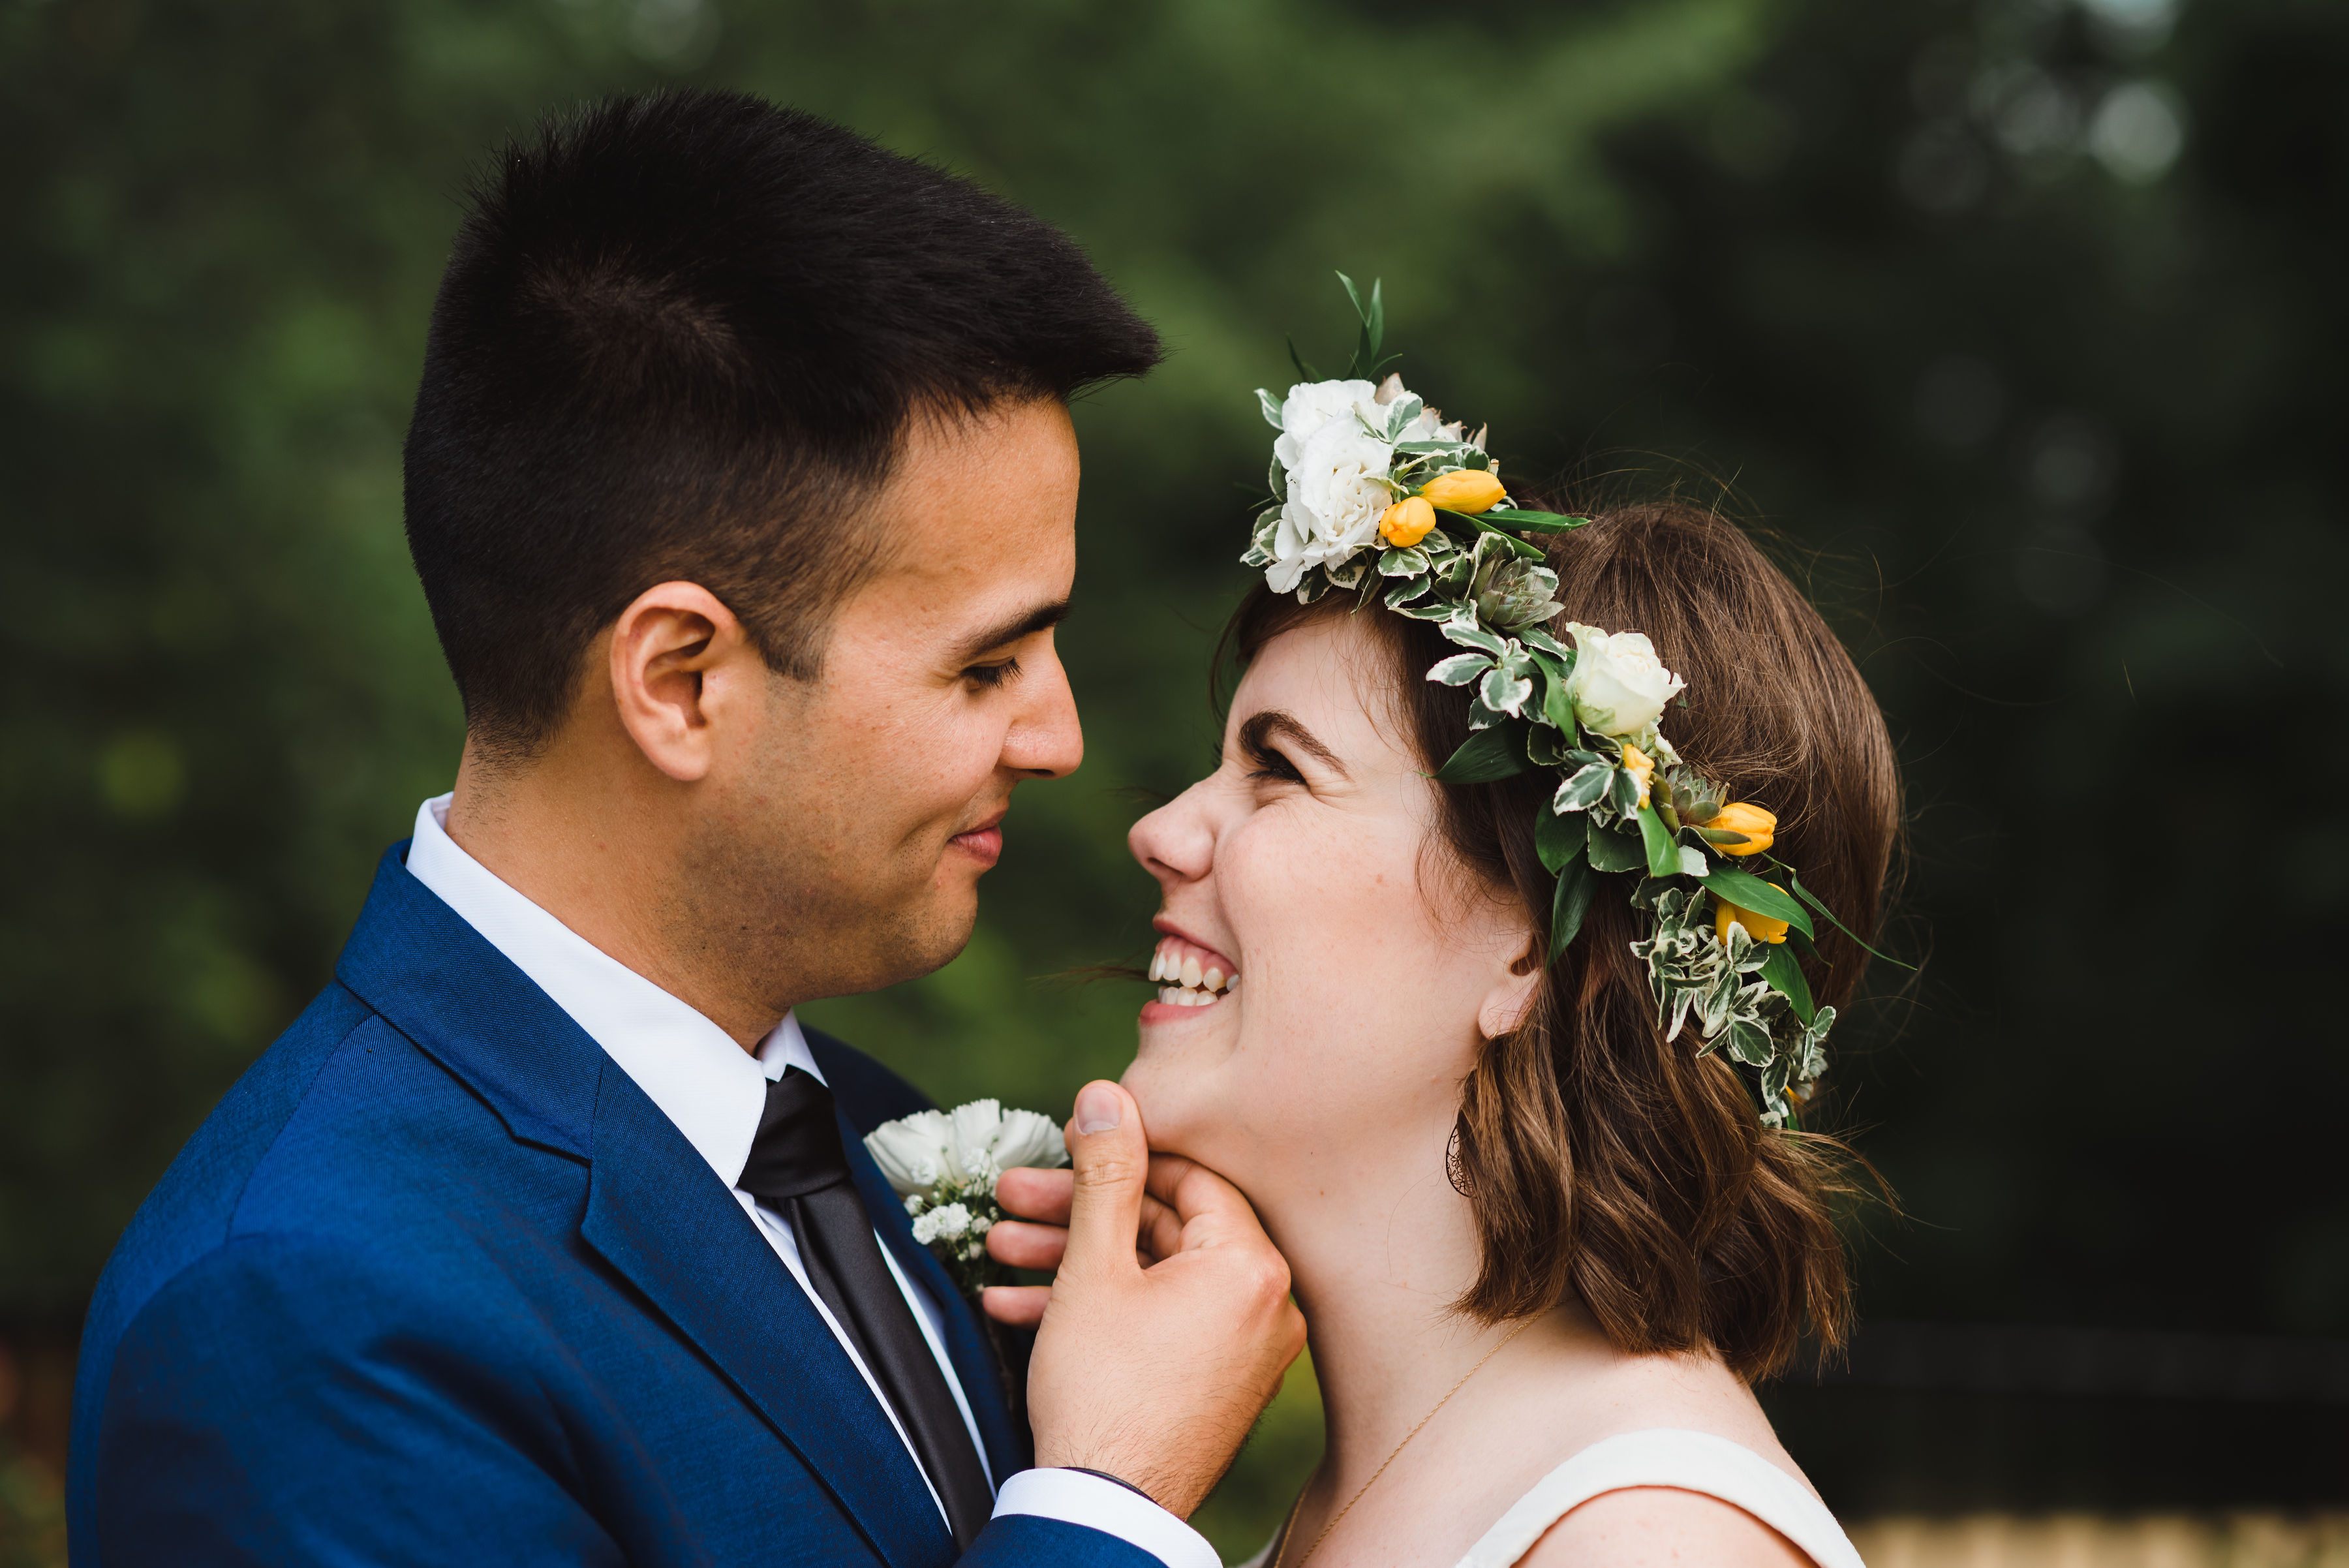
437 1283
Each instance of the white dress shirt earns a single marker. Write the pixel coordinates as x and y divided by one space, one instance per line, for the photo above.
716 1093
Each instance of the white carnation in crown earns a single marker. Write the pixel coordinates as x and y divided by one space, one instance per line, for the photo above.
1335 453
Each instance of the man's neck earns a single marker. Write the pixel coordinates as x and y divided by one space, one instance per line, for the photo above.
598 863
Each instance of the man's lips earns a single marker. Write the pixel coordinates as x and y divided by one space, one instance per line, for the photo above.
983 843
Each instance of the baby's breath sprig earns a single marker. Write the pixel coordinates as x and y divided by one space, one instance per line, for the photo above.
945 1166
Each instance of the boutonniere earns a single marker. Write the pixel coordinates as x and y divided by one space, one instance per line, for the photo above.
944 1165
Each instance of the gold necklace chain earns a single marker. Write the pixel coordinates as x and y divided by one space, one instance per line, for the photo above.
1282 1556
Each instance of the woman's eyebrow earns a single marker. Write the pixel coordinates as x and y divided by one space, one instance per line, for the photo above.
1257 730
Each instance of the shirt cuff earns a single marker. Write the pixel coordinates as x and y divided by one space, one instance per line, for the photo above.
1073 1497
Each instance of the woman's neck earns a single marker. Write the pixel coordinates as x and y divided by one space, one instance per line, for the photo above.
1378 1256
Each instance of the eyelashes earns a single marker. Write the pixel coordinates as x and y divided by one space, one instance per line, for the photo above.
993 675
1272 767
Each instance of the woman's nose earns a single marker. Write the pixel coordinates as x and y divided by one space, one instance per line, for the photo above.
1176 842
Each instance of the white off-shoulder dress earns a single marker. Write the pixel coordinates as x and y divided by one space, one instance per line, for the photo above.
1689 1461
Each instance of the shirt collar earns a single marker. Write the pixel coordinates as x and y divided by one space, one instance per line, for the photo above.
709 1087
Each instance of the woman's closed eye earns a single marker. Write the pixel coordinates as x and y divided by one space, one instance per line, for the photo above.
1268 765
1279 750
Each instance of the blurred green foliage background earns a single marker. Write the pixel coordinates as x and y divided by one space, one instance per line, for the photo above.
2017 323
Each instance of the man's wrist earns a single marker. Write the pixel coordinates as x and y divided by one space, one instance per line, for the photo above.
1104 1475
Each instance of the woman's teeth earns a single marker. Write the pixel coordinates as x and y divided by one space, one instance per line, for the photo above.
1190 976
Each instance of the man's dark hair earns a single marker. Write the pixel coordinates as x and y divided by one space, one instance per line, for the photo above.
680 336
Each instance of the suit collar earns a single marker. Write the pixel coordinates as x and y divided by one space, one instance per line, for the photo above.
656 1211
440 982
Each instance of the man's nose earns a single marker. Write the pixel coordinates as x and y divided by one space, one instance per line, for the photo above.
1046 740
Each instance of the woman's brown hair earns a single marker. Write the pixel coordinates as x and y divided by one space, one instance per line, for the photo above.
1603 1161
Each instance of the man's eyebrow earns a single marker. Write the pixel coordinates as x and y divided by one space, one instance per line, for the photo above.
1257 730
1025 624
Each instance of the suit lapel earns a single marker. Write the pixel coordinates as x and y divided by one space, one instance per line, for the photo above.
967 1344
654 1211
659 1216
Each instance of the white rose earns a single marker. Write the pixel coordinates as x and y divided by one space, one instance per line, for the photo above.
1618 685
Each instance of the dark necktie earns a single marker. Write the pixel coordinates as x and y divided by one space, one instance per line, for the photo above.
799 1168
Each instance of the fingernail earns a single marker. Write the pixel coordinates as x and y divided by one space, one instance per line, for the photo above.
1099 1109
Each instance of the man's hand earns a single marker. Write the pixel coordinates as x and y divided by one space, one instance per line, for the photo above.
1166 1332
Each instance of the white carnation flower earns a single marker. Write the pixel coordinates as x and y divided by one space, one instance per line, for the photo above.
1335 457
1619 686
964 1149
912 1151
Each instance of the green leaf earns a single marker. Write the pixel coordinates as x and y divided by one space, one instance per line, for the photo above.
1539 522
1663 854
1613 851
1555 703
1366 360
1576 884
1272 409
1305 372
1721 835
1530 551
1748 891
1812 900
1560 840
1785 974
1487 755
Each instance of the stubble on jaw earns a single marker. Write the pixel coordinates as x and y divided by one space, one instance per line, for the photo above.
794 897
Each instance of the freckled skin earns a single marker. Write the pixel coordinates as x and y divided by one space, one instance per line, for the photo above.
1362 986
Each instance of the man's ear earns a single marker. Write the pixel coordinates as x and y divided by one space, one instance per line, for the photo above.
679 662
1506 1003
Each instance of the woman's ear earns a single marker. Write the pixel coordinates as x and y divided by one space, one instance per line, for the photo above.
1506 1003
671 651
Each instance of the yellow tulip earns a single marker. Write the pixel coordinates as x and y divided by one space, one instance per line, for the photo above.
1761 928
1760 827
1641 767
1406 523
1469 490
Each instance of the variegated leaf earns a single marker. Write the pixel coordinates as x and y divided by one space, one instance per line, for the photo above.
1459 670
1464 629
1584 790
1504 691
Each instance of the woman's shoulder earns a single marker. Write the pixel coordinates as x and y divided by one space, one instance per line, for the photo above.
1663 1494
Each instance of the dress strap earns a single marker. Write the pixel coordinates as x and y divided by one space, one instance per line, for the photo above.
1687 1461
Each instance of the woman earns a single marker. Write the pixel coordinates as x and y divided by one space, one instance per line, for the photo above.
1544 1250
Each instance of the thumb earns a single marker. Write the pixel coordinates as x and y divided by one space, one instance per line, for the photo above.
1112 1162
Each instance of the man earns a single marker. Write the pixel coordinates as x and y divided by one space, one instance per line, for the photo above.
741 485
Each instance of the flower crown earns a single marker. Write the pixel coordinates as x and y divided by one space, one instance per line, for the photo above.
1374 493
